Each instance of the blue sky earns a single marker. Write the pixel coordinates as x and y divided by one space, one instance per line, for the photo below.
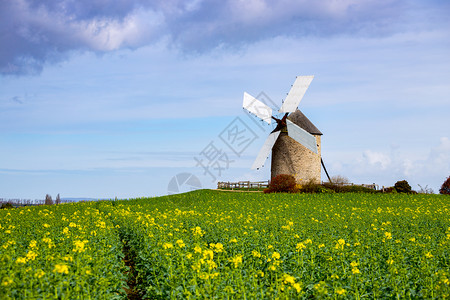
115 98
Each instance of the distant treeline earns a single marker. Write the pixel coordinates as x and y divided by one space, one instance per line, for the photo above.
29 202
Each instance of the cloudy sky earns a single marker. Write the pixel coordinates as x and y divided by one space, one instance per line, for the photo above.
105 98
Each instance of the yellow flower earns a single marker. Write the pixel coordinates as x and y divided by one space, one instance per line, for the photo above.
33 244
276 255
167 245
340 244
39 273
72 224
288 279
388 235
233 241
340 291
66 230
197 231
300 247
211 264
428 255
31 255
390 261
21 260
61 268
180 243
355 270
79 246
197 249
297 287
321 287
7 281
236 260
46 225
260 273
208 254
354 264
219 247
256 254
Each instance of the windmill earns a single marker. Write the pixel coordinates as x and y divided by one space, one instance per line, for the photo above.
295 141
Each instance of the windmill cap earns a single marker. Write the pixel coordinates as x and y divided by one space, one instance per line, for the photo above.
299 119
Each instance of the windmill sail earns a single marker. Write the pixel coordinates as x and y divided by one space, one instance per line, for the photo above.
257 108
265 150
302 136
296 93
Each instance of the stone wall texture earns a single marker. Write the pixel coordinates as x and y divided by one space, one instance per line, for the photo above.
290 157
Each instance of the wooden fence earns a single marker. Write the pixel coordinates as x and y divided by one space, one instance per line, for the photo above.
243 185
372 186
264 184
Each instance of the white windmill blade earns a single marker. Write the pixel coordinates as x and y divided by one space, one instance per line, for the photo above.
302 136
257 108
296 93
265 150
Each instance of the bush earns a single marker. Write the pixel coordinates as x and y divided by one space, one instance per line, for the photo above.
425 190
312 186
6 205
282 183
445 188
390 189
360 189
402 187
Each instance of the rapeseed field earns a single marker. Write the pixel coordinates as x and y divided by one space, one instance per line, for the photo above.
224 245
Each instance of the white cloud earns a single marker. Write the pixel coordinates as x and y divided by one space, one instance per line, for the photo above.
37 31
385 168
376 159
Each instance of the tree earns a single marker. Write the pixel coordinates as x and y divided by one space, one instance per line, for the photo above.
58 199
402 187
445 188
339 180
48 200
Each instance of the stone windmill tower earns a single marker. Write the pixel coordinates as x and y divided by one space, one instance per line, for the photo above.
295 142
291 157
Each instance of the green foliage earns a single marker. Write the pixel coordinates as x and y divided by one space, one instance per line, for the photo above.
402 187
445 188
282 183
390 190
